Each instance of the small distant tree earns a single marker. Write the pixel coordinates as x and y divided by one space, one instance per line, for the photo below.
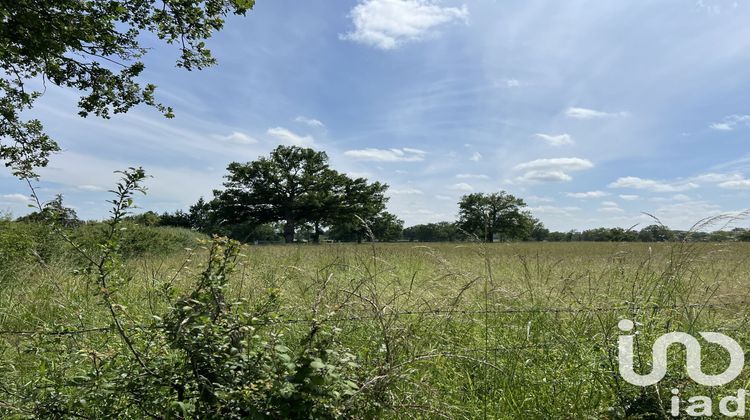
539 232
487 215
54 211
148 218
655 233
433 232
177 219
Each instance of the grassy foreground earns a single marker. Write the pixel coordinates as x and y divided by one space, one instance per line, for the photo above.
434 330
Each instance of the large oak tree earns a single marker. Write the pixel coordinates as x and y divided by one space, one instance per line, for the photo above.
296 186
488 215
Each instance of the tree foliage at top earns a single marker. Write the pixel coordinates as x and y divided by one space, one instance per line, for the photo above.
487 215
93 46
295 186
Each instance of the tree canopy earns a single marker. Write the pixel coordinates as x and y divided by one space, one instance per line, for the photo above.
93 46
488 215
296 186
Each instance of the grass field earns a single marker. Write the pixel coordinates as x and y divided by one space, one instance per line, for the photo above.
525 330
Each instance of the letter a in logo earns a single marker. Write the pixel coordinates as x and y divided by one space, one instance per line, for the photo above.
693 348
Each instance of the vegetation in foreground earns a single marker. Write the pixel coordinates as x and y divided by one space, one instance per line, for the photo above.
524 330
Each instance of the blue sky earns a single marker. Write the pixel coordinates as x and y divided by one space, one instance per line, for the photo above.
592 111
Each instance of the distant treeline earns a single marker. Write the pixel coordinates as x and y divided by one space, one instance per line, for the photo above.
293 195
451 232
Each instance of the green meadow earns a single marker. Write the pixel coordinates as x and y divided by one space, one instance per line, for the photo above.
448 330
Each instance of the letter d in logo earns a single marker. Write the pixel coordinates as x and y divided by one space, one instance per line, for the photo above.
693 348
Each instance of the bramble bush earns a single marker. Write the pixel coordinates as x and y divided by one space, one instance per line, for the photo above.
206 356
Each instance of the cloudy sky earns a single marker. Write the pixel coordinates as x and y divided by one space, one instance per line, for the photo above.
592 111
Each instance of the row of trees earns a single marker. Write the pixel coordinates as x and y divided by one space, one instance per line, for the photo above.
294 193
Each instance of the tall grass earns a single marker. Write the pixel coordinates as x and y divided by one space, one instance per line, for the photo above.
454 331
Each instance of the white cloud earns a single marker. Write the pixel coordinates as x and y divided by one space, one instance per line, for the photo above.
461 186
554 210
442 197
472 176
236 137
589 114
609 204
730 122
629 197
312 122
388 24
538 199
562 164
288 137
739 184
88 187
544 176
406 191
555 140
14 198
687 213
476 157
588 194
551 170
387 155
412 150
717 177
651 185
681 197
610 209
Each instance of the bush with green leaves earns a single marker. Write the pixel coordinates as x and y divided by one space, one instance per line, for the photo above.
22 244
206 356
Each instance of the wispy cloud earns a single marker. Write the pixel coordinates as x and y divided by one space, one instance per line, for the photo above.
461 186
629 197
236 137
588 194
286 136
405 191
717 177
544 176
14 198
565 164
651 185
405 154
472 176
312 122
89 187
589 114
736 184
388 24
554 210
730 122
475 157
555 139
539 199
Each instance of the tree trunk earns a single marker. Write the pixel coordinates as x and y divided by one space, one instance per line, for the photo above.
289 231
316 233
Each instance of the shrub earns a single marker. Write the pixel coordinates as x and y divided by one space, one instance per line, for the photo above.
206 357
